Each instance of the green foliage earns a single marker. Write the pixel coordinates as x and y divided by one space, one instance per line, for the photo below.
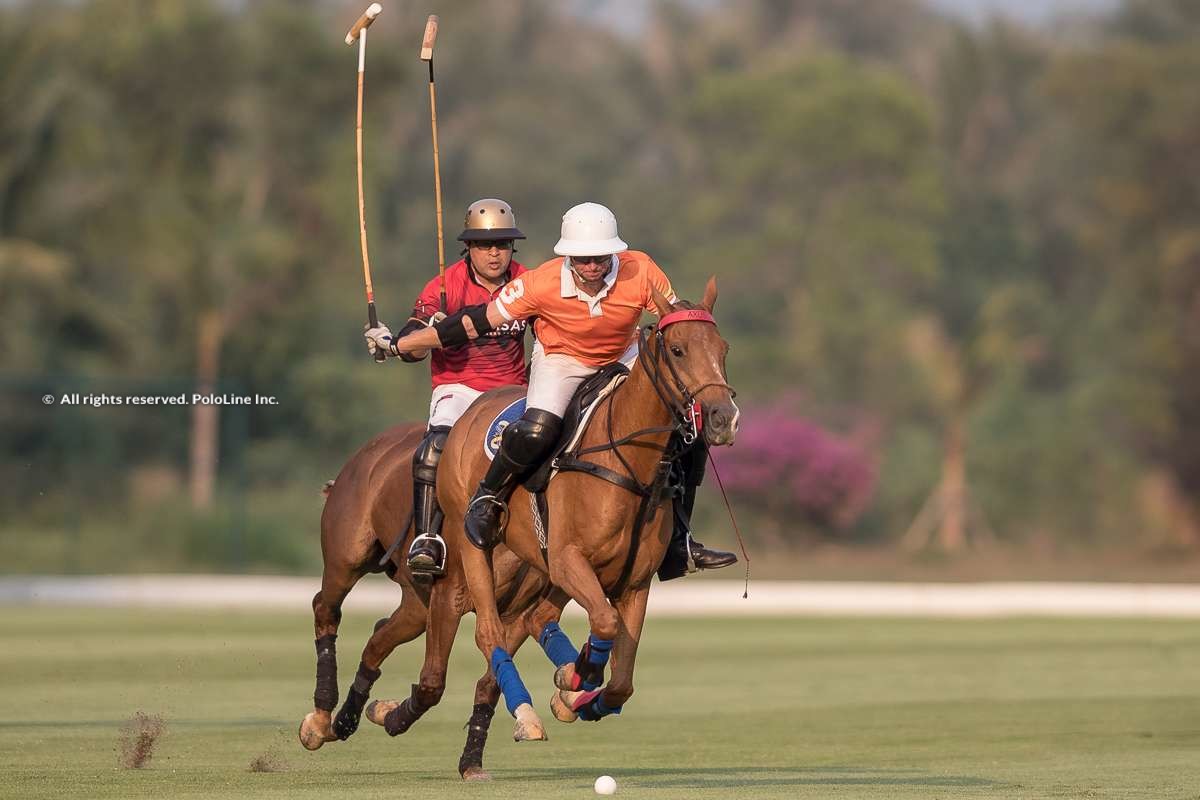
915 224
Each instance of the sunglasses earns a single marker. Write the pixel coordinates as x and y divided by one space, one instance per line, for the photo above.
579 261
499 244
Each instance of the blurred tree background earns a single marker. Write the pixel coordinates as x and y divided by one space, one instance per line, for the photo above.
959 262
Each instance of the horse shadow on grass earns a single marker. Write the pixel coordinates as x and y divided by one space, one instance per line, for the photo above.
736 777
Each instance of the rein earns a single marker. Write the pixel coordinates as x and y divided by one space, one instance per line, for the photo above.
686 421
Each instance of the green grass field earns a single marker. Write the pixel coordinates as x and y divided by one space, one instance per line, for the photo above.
725 708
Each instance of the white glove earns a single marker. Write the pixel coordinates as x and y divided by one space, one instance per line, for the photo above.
379 338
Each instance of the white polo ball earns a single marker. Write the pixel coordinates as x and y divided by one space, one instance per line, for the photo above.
605 785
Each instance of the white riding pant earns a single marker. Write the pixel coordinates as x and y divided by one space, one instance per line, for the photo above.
449 402
554 377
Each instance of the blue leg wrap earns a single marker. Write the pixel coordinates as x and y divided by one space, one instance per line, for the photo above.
511 685
557 646
597 709
597 657
599 650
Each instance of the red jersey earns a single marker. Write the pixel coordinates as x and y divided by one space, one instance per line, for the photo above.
495 359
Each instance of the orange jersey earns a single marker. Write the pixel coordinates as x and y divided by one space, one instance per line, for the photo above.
594 330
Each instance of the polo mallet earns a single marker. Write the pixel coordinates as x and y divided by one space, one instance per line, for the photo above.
431 30
359 31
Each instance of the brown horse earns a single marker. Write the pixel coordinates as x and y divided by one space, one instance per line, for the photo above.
367 508
606 539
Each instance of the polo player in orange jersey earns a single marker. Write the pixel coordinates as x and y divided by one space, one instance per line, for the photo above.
587 306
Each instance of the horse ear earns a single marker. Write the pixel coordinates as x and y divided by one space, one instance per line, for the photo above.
710 294
661 303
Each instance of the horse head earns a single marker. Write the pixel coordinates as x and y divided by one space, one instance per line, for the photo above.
689 349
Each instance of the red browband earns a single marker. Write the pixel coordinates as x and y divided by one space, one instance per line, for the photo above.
686 315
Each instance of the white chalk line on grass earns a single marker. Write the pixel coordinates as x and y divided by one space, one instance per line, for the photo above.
685 597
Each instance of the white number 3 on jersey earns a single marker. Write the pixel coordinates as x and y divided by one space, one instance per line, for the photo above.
511 292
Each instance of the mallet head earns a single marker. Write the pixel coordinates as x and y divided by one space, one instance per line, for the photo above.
364 21
431 29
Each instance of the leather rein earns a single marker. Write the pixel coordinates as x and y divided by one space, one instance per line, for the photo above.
686 420
685 413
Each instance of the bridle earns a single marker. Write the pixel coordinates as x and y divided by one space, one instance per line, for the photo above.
686 421
687 413
685 409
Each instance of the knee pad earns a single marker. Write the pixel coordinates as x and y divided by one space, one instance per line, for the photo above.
429 453
531 438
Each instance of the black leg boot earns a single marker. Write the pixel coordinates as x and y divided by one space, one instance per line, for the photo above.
525 444
685 554
427 553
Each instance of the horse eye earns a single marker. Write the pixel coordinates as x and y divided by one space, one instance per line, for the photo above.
677 351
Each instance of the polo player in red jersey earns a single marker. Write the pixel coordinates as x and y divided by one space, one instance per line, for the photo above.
461 373
587 306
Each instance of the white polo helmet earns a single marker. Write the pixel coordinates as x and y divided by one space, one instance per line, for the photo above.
589 229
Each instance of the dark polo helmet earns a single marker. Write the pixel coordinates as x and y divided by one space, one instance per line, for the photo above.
489 219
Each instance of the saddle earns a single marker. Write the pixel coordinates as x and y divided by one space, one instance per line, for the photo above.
566 456
575 419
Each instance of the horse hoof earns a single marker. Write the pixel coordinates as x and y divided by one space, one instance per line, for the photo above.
378 709
476 774
315 730
561 709
529 727
564 678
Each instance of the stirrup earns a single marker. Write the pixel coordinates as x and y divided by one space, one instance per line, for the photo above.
492 533
716 559
494 500
420 563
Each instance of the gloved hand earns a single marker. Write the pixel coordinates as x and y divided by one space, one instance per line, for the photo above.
437 317
379 338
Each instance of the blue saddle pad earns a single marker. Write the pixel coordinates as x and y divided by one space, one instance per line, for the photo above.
491 440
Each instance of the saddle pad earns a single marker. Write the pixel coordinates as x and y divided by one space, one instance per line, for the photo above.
513 411
495 431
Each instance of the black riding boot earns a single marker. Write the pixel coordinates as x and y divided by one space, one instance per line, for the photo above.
685 554
427 553
525 444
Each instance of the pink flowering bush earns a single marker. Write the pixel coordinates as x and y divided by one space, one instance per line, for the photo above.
788 467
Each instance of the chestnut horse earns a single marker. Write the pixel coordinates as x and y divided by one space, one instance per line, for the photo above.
367 508
605 540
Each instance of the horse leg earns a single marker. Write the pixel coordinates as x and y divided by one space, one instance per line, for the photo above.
491 640
596 704
487 695
541 623
571 572
443 620
405 624
316 728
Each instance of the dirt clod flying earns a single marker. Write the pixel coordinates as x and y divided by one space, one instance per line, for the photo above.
139 736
